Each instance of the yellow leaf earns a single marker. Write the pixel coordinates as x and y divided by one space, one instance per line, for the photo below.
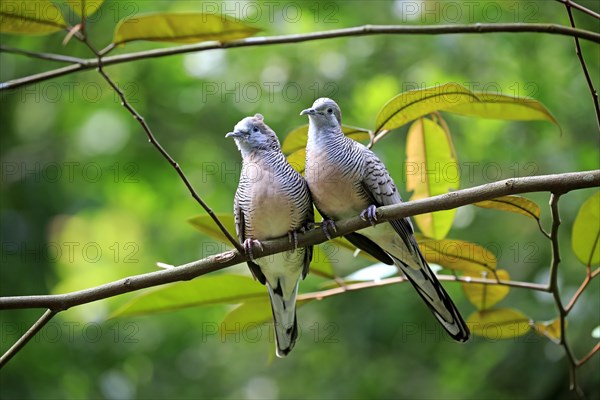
181 28
498 106
431 169
457 255
550 329
586 231
417 103
30 17
515 204
501 323
486 296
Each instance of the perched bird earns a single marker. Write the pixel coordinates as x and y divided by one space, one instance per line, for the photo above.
346 179
272 200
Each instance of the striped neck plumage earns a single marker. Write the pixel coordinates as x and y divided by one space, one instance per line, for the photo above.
319 136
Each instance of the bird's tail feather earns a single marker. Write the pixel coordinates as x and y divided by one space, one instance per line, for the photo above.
433 293
284 318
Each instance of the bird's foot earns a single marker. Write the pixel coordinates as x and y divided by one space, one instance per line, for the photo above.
249 244
326 225
293 237
369 214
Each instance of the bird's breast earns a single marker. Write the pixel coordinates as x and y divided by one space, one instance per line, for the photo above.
334 188
272 211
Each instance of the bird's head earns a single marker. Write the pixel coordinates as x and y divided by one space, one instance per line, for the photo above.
324 113
252 133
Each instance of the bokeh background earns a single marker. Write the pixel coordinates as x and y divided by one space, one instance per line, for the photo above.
85 199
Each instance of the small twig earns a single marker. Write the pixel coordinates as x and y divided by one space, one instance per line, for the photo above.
83 18
589 355
27 336
43 56
584 284
365 30
580 8
590 84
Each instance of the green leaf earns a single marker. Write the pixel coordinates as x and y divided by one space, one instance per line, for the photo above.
181 28
586 231
215 289
515 204
457 255
91 6
250 314
37 17
497 106
294 144
549 329
486 296
417 103
501 323
206 225
431 169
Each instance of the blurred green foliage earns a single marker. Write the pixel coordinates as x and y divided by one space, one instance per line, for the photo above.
85 199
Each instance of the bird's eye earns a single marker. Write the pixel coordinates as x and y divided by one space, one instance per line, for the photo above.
255 129
329 110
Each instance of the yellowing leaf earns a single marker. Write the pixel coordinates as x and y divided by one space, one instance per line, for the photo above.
30 17
431 169
458 255
206 225
214 289
417 103
498 106
586 231
294 144
88 6
501 323
550 329
181 28
515 204
486 296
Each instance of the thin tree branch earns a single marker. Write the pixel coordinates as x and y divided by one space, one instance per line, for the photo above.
590 84
23 340
399 279
580 8
560 183
170 159
364 30
158 146
43 56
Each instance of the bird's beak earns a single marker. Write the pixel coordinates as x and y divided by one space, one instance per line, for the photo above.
308 111
234 134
